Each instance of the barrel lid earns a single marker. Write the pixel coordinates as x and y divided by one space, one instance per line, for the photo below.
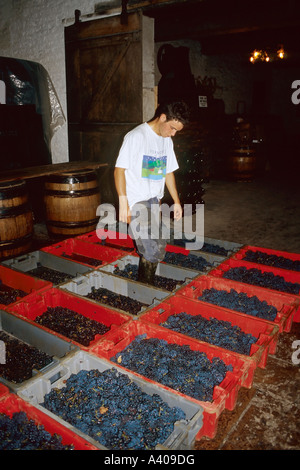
75 172
72 177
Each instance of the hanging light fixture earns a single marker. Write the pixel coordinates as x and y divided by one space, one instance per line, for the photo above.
280 53
262 55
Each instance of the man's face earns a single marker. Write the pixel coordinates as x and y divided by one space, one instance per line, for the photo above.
169 128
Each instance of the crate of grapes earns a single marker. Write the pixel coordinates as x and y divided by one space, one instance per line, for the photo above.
227 329
269 257
273 258
167 277
28 351
214 246
268 306
24 427
198 261
109 239
262 276
89 255
69 317
113 408
16 285
120 294
47 266
197 371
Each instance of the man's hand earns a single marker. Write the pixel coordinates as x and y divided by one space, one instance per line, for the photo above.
177 211
124 211
171 185
120 182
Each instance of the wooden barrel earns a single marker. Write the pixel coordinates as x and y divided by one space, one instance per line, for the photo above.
242 164
16 219
71 201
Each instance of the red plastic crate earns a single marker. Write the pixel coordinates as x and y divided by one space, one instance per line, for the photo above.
36 304
241 253
11 403
24 282
3 391
285 304
289 276
266 334
225 394
118 240
79 251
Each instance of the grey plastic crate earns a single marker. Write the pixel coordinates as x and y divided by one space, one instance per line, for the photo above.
32 335
165 270
184 433
35 259
83 285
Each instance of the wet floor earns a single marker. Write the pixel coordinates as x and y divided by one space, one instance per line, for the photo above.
265 213
266 416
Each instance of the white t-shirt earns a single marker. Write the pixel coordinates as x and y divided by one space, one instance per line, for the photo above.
147 158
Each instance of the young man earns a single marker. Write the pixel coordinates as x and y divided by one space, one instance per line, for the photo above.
147 162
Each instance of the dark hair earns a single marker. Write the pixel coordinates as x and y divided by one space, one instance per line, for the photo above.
177 111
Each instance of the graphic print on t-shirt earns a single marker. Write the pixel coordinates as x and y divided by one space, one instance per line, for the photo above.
154 168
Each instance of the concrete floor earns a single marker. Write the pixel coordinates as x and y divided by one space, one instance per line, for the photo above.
265 213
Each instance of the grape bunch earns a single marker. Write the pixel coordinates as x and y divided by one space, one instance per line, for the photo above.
187 261
71 324
21 433
272 260
51 275
131 272
21 359
208 247
218 332
240 302
178 367
116 300
109 407
262 279
215 249
8 294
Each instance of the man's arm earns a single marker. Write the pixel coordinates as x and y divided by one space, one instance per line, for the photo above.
120 183
171 185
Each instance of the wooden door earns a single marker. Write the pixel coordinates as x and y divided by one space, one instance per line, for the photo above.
104 73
